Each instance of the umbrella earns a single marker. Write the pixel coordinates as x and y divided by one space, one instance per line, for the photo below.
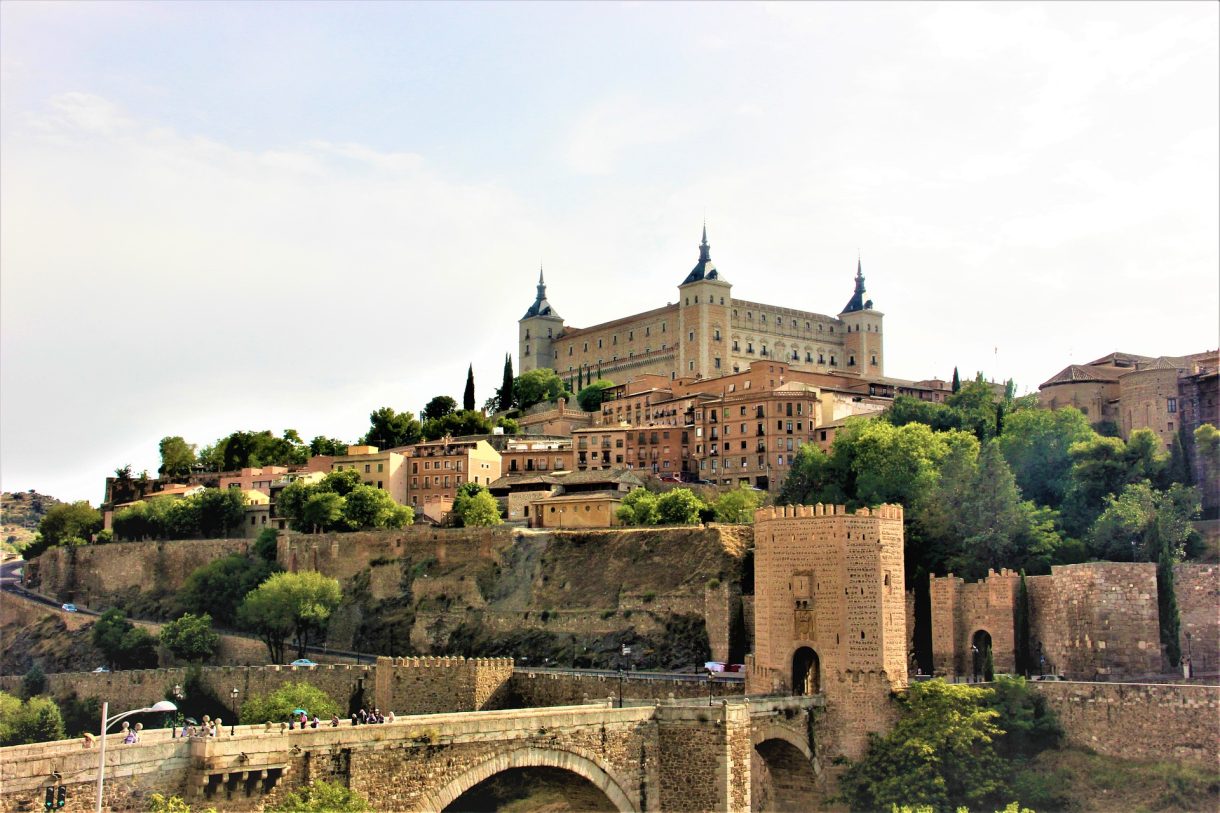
192 721
299 711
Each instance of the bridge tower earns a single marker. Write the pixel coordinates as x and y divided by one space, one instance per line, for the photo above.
830 611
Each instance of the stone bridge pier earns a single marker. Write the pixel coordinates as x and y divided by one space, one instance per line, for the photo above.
732 755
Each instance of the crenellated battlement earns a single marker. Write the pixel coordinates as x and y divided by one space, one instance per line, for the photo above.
773 512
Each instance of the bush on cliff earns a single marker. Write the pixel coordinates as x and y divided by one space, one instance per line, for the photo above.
219 586
290 604
321 796
123 644
190 637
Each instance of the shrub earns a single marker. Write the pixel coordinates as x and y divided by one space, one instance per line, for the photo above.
278 705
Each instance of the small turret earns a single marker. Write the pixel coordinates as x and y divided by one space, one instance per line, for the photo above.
859 299
536 331
540 307
704 269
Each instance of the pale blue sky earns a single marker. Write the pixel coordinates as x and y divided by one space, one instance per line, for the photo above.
217 216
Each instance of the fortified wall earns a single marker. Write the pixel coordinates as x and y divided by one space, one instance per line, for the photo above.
403 685
830 613
1097 620
1145 721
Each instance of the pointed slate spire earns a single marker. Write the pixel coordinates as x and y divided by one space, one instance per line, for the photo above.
704 269
859 299
540 307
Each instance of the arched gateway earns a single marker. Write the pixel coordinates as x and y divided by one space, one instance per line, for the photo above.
806 672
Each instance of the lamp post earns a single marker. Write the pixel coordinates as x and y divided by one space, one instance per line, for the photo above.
107 721
233 696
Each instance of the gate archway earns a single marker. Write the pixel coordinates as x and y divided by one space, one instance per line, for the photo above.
806 672
980 648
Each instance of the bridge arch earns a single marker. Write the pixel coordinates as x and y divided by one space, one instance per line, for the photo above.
531 757
784 771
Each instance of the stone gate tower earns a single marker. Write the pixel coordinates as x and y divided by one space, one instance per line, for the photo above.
830 611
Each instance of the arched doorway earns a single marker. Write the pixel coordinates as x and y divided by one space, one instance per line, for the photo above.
562 775
981 666
783 776
806 672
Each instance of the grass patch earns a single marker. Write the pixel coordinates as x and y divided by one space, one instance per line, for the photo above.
1074 780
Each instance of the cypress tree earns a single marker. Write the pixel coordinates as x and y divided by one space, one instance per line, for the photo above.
599 370
506 386
468 395
580 379
1167 601
957 380
999 419
1023 654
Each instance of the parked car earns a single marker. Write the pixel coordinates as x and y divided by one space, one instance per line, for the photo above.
68 608
303 662
1049 677
101 669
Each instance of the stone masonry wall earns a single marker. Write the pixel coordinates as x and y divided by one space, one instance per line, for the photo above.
1140 721
529 689
93 574
401 685
1198 592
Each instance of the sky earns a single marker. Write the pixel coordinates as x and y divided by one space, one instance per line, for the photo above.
223 215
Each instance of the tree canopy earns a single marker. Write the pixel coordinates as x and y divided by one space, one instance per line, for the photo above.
290 604
209 513
278 706
389 429
219 586
474 506
123 644
65 524
590 398
190 637
341 502
177 457
535 386
321 796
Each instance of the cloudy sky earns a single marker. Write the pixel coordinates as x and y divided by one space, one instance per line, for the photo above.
223 216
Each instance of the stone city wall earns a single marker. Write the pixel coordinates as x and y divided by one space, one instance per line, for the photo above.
404 685
93 575
529 688
1164 722
1197 588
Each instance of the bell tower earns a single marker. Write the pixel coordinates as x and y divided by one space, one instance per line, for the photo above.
536 332
704 303
863 347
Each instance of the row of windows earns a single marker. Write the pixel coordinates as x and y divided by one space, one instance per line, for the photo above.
433 464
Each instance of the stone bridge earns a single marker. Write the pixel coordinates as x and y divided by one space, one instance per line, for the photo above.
735 755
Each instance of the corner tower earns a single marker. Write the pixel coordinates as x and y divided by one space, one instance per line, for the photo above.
704 303
536 332
863 347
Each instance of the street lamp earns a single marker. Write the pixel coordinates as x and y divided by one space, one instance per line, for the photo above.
233 726
107 721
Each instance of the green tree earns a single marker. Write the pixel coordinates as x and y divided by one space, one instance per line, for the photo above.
1137 523
322 511
468 393
474 506
219 586
296 604
506 395
974 404
940 753
1028 724
1024 654
369 507
323 797
122 644
738 505
322 445
990 517
36 720
1036 444
64 521
439 407
279 704
812 478
957 381
639 507
1207 453
535 386
590 398
190 638
158 803
389 429
456 424
221 511
1099 468
1170 622
177 457
34 682
679 506
906 409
